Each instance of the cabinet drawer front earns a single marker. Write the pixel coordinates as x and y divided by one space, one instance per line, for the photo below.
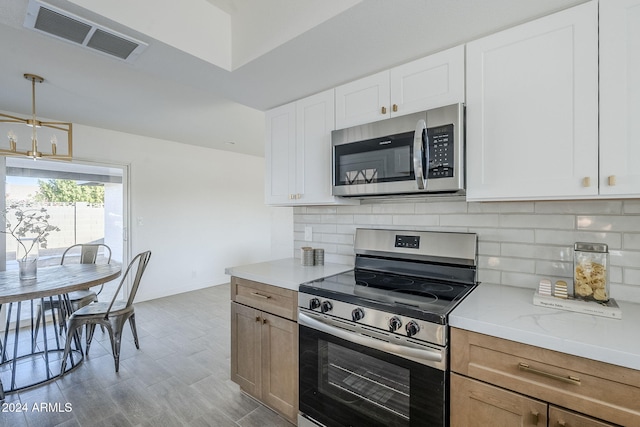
272 299
559 417
586 386
474 403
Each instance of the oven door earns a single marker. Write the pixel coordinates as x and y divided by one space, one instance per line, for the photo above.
345 382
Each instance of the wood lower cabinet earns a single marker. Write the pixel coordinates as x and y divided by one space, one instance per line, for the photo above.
474 403
264 346
527 385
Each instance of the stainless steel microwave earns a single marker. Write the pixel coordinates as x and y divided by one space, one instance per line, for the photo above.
417 153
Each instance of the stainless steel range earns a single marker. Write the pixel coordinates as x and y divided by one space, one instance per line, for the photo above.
374 341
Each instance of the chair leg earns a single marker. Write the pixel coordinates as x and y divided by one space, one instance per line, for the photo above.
91 327
71 330
132 323
115 344
35 333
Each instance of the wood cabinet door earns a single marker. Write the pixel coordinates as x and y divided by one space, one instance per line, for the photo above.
363 101
280 154
476 404
619 97
280 365
246 326
434 81
532 109
559 417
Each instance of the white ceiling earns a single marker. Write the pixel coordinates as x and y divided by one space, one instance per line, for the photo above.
279 51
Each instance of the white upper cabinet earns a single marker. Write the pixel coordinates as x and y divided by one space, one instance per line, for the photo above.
430 82
532 109
280 154
298 153
363 101
620 97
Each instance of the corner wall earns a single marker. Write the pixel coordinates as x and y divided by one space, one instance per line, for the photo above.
201 209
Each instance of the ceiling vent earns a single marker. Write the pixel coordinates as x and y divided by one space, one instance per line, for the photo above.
63 25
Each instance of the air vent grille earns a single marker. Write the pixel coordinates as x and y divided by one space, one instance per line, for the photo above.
62 26
58 23
111 44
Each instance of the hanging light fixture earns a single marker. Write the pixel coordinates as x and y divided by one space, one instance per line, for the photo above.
19 136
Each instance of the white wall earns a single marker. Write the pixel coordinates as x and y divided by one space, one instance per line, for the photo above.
202 210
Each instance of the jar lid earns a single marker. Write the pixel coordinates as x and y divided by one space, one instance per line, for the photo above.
591 247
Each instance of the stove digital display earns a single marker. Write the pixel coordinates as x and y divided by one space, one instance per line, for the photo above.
412 242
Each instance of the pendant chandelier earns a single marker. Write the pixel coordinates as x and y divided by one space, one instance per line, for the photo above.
23 140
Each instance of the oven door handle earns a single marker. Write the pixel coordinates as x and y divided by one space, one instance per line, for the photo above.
426 356
421 154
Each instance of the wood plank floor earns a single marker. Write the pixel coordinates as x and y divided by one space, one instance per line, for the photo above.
179 377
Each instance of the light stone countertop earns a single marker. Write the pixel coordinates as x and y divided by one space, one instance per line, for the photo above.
286 273
508 312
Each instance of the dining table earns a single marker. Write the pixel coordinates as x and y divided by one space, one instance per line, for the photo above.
28 359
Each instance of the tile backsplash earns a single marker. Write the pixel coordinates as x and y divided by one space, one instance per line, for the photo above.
519 243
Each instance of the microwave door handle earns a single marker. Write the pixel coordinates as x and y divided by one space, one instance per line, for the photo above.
420 155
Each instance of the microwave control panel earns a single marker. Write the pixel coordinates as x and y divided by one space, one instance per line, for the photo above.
441 156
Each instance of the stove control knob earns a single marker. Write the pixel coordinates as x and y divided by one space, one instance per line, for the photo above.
394 323
412 328
357 314
314 303
326 306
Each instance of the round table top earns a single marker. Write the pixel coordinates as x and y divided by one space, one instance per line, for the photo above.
56 280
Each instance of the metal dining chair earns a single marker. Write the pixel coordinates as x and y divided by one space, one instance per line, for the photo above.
111 315
88 255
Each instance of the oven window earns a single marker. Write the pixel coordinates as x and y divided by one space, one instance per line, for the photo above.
385 159
367 384
343 383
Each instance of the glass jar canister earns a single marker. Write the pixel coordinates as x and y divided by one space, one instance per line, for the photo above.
591 271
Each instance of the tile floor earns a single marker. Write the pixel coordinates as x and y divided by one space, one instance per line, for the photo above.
179 377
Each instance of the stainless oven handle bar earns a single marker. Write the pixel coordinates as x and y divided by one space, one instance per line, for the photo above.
431 357
420 155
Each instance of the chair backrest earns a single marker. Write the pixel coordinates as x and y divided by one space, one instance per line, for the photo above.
88 252
142 259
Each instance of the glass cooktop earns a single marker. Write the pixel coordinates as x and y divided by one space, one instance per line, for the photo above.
426 299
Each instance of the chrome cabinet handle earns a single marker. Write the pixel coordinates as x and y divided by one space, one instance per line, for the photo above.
568 379
259 295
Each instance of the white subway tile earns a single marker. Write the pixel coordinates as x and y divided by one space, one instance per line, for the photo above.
609 207
393 208
537 221
417 220
631 241
480 220
558 237
608 223
441 207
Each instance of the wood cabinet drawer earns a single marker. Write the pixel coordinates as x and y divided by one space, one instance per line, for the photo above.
590 387
271 299
559 417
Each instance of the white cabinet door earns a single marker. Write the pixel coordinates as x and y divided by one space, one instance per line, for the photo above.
363 101
314 123
532 109
280 154
430 82
298 153
620 97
